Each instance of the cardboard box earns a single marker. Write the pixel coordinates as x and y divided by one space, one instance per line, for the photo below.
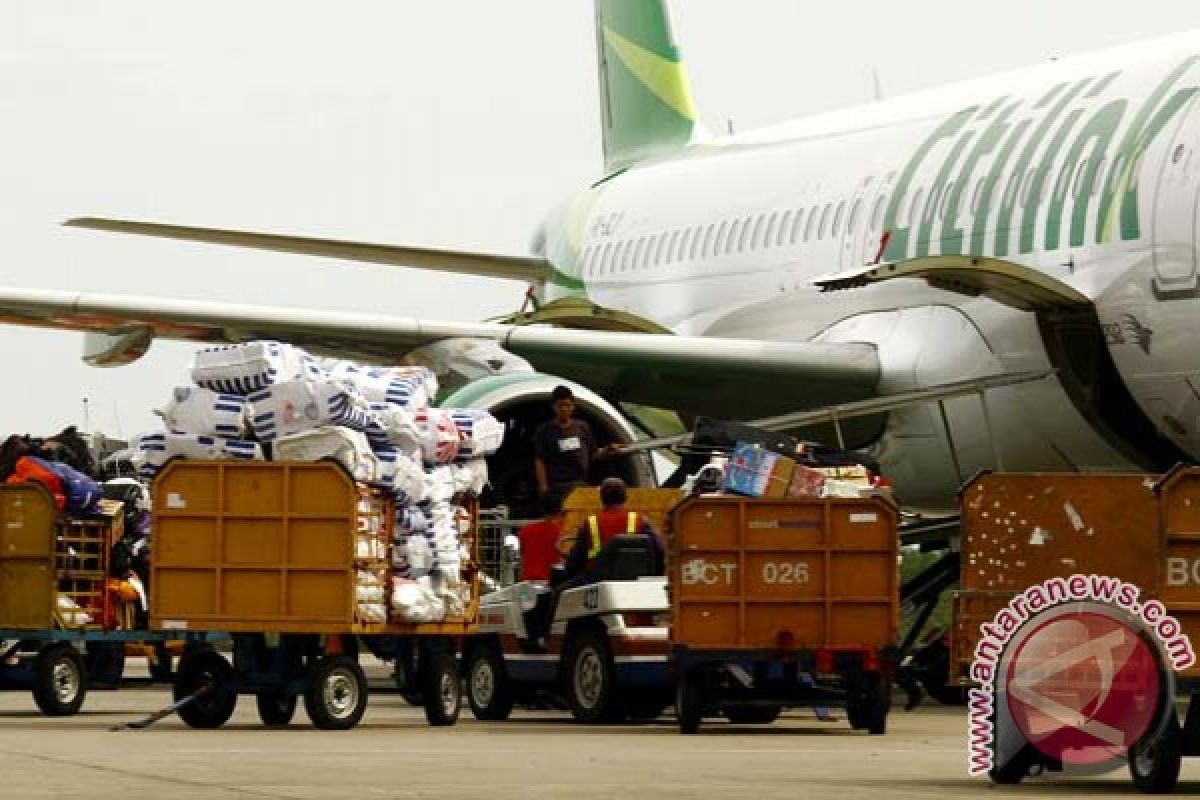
807 483
756 472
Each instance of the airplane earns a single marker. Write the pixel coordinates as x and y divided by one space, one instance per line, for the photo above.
1045 219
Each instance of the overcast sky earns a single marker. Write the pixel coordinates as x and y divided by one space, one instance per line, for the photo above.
452 124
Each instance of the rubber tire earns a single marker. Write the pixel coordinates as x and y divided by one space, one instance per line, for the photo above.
441 688
868 701
1016 769
320 672
196 668
753 715
275 709
607 706
500 704
160 669
105 663
1165 760
52 658
688 708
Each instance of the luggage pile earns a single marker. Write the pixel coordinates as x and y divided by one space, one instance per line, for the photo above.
270 400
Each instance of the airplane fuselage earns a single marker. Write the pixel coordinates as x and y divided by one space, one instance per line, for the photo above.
1085 170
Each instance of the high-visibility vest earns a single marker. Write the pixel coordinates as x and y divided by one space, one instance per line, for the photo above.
631 526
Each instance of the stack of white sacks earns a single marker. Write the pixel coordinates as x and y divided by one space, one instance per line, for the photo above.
379 422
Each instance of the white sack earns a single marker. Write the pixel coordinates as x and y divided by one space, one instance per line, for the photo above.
152 450
440 438
349 448
251 366
482 434
200 411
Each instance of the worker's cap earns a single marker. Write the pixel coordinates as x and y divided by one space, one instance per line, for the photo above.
612 492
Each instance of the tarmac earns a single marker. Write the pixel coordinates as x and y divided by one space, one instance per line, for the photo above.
536 754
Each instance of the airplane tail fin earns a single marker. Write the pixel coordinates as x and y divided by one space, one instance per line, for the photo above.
647 107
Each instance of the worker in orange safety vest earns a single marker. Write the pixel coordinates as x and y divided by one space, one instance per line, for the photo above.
599 529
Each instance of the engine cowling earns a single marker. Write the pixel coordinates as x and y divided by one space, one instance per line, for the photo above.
521 401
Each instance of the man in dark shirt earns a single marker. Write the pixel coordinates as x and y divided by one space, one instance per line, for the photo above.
564 448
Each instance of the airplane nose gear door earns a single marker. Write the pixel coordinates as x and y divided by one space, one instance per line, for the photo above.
1177 212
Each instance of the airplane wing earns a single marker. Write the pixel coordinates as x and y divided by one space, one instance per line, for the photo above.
691 374
519 268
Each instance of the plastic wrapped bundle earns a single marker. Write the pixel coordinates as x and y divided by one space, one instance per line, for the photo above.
402 475
152 450
412 388
201 411
295 406
414 602
251 366
471 477
440 438
410 520
348 447
397 426
440 485
482 434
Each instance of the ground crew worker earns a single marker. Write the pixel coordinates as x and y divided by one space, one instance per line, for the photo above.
599 529
564 447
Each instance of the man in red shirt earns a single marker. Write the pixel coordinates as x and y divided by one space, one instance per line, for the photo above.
539 540
599 529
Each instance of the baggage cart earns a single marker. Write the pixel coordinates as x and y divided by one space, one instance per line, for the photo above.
782 602
1020 529
273 553
61 630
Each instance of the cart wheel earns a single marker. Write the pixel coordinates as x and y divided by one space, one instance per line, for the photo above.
105 662
275 708
488 691
59 680
197 670
590 677
1016 768
868 701
441 688
753 715
160 666
687 703
336 697
1154 763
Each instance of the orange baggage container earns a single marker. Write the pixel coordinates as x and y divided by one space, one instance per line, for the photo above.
1021 529
759 574
270 547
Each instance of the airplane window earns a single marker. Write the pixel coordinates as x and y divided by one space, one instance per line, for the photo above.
1098 177
837 219
1080 171
1177 155
824 220
734 230
797 221
877 212
769 236
744 239
784 224
852 223
720 245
